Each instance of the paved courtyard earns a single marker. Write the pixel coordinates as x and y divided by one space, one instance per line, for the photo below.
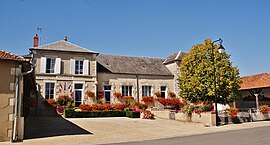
60 131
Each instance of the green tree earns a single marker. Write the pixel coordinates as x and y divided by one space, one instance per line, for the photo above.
196 81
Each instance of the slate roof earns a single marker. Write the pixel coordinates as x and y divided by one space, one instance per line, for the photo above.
255 81
132 65
63 46
10 56
174 57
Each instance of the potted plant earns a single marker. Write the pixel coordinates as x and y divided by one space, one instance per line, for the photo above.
264 109
188 110
232 112
148 115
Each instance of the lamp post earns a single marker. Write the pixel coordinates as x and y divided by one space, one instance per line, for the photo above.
220 51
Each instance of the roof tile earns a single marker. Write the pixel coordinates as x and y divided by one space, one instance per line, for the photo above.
10 56
133 65
255 81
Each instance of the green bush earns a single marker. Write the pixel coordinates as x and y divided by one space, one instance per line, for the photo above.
132 114
127 109
70 113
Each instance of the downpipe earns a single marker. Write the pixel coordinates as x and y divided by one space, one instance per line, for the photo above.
16 109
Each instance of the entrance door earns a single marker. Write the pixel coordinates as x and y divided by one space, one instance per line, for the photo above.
78 94
107 94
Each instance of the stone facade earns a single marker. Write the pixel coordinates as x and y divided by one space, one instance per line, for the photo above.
11 67
106 74
64 78
118 81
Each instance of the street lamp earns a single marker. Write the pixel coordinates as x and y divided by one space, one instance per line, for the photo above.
220 51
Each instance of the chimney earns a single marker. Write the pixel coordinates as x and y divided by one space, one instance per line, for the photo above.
36 40
65 38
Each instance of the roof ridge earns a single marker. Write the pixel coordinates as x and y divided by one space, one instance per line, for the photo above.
177 56
79 46
264 73
131 56
63 45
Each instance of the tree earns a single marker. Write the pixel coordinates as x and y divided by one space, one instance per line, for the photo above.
196 81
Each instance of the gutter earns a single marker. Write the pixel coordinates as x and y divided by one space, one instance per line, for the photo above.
18 77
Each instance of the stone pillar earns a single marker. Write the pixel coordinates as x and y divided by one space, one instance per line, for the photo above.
257 101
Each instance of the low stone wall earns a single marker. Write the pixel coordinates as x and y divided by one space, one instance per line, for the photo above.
205 118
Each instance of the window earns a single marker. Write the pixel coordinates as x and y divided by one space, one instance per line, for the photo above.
107 94
78 67
49 90
163 91
146 91
50 65
126 90
78 94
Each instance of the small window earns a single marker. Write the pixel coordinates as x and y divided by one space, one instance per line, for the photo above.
78 67
163 91
126 90
49 90
50 65
146 91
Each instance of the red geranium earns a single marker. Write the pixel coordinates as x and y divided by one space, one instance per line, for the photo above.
161 100
117 95
148 98
85 107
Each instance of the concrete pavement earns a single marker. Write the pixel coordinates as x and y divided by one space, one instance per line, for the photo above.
115 130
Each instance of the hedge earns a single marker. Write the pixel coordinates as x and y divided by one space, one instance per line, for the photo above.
132 114
70 113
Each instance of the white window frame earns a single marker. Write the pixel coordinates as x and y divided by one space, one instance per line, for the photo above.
148 89
51 67
55 68
127 88
83 92
84 69
103 88
54 89
165 91
79 70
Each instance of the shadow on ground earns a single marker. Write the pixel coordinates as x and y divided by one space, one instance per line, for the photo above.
39 127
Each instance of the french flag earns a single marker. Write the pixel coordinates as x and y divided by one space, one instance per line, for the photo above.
70 88
60 88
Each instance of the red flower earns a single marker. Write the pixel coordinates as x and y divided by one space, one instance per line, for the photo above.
148 98
51 102
85 107
232 112
118 106
197 111
161 100
117 95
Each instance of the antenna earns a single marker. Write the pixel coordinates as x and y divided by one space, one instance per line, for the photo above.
40 30
40 34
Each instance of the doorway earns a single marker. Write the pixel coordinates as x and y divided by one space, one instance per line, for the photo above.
78 94
107 94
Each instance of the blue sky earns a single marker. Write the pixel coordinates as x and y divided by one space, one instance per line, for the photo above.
152 28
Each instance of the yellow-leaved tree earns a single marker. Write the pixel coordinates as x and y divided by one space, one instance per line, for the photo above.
196 81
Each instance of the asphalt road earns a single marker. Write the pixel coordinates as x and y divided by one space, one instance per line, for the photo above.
253 136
